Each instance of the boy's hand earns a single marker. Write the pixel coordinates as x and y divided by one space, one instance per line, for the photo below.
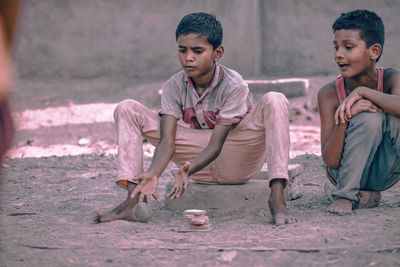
363 105
181 181
346 110
343 112
146 187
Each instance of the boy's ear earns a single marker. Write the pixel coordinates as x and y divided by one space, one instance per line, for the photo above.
218 52
375 51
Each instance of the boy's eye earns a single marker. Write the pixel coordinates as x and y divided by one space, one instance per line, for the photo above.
349 47
198 51
182 50
335 48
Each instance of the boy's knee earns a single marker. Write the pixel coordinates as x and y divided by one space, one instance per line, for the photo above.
393 130
370 122
393 122
275 99
127 106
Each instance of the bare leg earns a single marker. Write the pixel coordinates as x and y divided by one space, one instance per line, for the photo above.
121 212
277 204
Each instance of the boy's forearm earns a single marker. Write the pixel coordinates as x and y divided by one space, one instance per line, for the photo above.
212 150
388 102
204 158
162 155
333 149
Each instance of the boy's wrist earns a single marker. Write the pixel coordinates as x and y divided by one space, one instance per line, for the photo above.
155 173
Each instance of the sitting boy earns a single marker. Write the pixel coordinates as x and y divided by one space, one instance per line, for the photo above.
207 126
359 111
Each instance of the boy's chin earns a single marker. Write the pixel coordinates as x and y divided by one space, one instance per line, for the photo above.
347 74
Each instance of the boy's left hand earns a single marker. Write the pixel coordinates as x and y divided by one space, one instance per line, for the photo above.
146 187
181 181
343 112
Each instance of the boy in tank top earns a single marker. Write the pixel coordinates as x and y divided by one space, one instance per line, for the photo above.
360 115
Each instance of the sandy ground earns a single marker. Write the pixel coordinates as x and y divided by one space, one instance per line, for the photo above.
51 185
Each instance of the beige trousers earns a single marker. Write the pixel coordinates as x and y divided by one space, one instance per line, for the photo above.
262 135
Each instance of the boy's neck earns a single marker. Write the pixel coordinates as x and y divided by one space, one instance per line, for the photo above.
204 82
368 78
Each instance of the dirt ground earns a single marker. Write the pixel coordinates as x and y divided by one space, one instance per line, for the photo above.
47 202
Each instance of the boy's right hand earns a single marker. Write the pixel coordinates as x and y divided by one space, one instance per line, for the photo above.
181 181
146 187
363 105
360 105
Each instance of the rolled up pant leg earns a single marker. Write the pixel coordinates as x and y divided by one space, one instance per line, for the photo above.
134 122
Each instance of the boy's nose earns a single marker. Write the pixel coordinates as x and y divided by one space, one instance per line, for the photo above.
339 53
189 57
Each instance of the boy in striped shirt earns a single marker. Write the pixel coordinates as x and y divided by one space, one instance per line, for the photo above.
207 126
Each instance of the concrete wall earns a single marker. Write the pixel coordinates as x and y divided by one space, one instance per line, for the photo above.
297 36
135 39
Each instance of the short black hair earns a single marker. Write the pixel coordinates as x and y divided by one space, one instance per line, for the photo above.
203 24
371 26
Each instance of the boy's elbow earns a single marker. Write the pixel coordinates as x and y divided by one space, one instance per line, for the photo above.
330 163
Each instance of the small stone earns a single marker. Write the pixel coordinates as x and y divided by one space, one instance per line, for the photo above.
84 142
142 212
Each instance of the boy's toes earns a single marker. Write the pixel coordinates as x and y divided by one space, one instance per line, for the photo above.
341 207
98 215
291 220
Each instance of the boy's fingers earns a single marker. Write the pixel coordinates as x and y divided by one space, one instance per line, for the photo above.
137 189
337 117
171 192
341 113
186 166
157 197
180 192
176 195
141 197
148 199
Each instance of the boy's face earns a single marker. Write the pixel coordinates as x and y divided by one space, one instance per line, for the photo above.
198 57
351 53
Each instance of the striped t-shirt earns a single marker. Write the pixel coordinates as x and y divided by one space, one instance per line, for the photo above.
225 102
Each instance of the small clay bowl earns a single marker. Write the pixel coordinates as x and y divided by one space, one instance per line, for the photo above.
194 212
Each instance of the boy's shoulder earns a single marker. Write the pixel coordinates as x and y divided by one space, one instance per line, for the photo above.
176 83
327 97
328 91
391 78
232 77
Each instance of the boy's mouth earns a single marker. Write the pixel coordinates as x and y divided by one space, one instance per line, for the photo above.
342 65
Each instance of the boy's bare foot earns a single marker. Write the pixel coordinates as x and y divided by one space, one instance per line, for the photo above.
277 204
369 199
341 207
280 214
121 212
